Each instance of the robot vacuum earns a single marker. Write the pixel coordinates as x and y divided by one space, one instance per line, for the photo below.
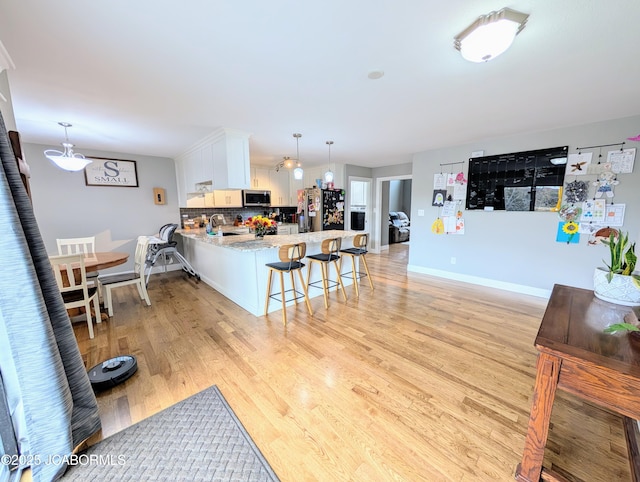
113 371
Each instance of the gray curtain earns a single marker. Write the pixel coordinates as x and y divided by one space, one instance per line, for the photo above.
48 394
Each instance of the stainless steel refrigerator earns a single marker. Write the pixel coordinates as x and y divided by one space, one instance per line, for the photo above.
320 209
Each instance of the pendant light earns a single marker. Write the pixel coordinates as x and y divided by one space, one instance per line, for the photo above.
328 175
298 172
67 160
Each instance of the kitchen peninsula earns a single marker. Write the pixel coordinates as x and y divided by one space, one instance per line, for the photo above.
235 265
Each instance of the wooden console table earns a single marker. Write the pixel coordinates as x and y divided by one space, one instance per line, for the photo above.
576 356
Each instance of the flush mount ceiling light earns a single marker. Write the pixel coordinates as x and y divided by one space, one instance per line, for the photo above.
67 160
328 176
490 35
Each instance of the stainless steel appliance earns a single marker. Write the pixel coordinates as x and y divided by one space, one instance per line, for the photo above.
320 209
256 198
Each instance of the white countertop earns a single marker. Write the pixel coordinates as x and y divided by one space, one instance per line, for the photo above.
248 242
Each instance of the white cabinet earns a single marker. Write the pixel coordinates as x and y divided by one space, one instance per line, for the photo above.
260 178
195 170
200 200
311 174
230 155
279 182
287 229
227 199
220 160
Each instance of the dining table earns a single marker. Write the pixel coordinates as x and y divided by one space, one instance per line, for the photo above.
95 262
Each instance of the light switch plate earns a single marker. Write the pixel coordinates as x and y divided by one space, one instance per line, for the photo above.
420 212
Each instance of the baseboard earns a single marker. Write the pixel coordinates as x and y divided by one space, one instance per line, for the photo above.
477 280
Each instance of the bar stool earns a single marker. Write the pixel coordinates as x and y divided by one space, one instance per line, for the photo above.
359 251
330 249
290 256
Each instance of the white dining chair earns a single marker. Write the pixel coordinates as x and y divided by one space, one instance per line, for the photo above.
111 281
74 290
86 245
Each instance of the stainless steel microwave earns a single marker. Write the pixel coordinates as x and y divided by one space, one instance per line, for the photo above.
256 198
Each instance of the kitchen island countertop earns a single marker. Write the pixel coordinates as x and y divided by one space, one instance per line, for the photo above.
235 265
248 242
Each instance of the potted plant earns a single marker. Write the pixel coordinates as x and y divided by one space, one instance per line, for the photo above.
618 283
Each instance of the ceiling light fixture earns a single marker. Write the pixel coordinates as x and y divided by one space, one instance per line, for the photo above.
67 160
298 172
328 176
490 35
288 163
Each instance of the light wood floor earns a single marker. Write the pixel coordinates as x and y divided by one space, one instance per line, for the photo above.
420 379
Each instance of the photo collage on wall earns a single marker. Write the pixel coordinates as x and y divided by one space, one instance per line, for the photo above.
588 207
449 192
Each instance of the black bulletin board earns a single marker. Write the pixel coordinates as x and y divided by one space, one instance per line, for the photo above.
520 181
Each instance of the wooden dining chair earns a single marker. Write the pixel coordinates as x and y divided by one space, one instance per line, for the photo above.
86 245
71 278
135 277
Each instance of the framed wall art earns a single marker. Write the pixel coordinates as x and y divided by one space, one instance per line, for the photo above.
111 172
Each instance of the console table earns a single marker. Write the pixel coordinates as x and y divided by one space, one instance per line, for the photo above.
576 356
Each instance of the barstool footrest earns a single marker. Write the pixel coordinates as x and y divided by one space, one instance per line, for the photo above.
330 284
359 275
298 295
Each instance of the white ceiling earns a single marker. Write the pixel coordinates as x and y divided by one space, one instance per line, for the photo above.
155 76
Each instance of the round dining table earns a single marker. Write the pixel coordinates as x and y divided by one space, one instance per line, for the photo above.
96 262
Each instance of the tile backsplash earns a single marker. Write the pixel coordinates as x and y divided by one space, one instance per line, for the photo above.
231 213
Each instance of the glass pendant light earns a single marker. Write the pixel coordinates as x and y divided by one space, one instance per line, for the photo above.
328 175
298 172
67 160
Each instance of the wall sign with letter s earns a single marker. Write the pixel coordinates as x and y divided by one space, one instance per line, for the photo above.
111 172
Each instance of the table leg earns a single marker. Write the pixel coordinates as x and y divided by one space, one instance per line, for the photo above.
547 373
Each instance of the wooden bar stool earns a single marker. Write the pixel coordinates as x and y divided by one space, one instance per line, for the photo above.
290 256
330 249
359 251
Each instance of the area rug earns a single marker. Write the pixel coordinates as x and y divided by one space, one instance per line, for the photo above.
198 439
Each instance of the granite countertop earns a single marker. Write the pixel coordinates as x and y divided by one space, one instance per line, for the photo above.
248 242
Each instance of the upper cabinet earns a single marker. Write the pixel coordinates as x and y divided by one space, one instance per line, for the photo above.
228 198
220 161
260 178
313 173
230 153
280 186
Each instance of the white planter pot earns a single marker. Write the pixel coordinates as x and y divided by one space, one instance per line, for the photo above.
622 290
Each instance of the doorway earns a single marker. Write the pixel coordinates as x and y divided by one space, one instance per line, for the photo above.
380 231
359 207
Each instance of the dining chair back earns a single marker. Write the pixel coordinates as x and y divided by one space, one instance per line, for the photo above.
71 278
76 245
86 245
135 277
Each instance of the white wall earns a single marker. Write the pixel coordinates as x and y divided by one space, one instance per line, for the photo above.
6 106
66 208
518 250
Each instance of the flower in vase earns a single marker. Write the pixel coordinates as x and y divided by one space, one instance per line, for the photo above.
259 224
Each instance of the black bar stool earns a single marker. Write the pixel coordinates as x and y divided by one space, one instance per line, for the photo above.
290 256
359 251
330 249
